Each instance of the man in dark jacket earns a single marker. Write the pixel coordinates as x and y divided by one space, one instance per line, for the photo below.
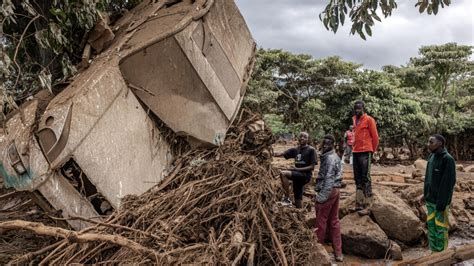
438 190
300 175
328 183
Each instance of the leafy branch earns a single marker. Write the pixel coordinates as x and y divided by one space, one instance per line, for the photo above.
363 13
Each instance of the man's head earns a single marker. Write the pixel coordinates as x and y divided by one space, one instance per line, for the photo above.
436 142
351 127
359 108
303 138
328 143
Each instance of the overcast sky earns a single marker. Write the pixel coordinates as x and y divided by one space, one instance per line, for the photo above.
293 25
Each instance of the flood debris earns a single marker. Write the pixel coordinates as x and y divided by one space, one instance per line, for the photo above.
179 65
222 211
101 35
20 205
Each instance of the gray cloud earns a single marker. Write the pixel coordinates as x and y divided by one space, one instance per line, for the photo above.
294 26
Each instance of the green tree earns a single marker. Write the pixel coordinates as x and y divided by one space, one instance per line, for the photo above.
363 13
441 78
41 41
444 66
403 100
292 86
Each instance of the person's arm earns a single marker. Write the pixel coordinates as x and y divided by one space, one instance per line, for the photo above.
327 182
448 179
304 169
290 153
278 154
374 134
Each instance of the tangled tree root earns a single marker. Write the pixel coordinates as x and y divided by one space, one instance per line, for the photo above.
216 207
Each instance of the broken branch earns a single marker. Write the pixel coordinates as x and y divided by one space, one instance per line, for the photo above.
72 236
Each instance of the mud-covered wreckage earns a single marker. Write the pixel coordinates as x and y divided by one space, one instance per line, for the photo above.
185 62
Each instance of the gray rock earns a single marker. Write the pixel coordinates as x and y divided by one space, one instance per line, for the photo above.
362 236
395 251
321 255
346 205
395 217
469 169
412 192
420 164
453 223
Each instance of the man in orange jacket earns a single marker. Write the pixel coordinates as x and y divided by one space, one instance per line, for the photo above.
366 141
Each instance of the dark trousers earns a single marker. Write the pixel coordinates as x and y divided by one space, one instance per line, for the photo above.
361 164
327 219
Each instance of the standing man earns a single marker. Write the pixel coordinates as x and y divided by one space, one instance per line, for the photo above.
327 187
438 190
348 142
300 175
366 141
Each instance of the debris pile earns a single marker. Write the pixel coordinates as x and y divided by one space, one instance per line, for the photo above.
16 205
216 207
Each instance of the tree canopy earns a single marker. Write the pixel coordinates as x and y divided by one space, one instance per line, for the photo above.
431 93
42 41
363 13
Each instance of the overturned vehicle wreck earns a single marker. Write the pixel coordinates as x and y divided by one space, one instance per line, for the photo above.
183 64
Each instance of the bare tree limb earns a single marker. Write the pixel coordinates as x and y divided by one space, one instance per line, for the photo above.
73 236
275 237
18 47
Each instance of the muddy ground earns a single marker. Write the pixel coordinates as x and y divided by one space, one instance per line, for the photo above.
19 205
396 177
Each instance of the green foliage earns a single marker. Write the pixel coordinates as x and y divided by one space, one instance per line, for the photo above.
43 40
446 73
275 122
287 84
432 93
363 13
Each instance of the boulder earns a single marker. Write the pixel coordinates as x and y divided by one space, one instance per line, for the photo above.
395 217
453 223
420 164
412 193
469 203
346 205
469 169
321 255
417 174
395 251
460 167
362 236
458 209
